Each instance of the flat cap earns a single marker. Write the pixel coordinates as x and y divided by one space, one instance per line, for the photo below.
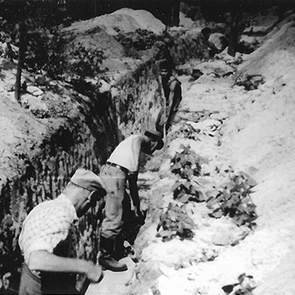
153 134
88 180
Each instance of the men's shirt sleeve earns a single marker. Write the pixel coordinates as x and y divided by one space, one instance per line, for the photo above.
47 225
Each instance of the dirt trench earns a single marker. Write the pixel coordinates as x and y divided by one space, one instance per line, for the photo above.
179 238
191 197
241 139
59 127
51 134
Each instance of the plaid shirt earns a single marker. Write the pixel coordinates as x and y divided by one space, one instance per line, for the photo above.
47 225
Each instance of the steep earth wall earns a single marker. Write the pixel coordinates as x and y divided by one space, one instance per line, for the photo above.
74 127
61 126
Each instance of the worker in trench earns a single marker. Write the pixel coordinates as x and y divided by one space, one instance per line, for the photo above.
172 96
121 169
49 235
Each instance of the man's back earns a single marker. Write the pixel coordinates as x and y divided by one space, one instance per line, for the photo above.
126 154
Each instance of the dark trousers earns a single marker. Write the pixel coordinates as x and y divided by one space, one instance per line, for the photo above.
49 283
30 284
163 122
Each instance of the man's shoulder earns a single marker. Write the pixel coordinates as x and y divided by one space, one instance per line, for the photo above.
173 79
131 139
174 82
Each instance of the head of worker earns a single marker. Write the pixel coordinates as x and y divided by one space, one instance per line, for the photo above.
206 32
165 69
153 142
85 190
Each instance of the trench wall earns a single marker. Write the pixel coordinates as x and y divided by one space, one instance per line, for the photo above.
83 138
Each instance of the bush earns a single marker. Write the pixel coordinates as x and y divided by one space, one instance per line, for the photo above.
134 42
85 62
234 200
45 47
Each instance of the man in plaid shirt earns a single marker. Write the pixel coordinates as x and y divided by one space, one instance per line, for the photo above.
47 239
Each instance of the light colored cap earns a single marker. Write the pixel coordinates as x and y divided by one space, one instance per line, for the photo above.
88 180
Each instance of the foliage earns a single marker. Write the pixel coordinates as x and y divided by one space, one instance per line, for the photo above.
7 31
187 163
186 192
10 256
234 200
185 131
86 62
45 47
245 286
133 42
250 82
175 222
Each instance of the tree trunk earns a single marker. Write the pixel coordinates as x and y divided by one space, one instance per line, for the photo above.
21 55
232 43
234 34
175 8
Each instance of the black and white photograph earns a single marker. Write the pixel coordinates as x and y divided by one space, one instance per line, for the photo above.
147 147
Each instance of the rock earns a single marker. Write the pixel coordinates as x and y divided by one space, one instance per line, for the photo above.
35 105
221 237
196 74
219 40
40 79
219 116
103 86
34 90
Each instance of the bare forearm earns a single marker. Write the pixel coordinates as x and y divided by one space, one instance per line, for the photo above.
134 194
45 261
134 191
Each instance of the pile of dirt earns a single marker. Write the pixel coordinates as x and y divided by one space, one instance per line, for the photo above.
144 18
102 30
100 40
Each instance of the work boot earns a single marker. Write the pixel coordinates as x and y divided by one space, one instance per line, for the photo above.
106 259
